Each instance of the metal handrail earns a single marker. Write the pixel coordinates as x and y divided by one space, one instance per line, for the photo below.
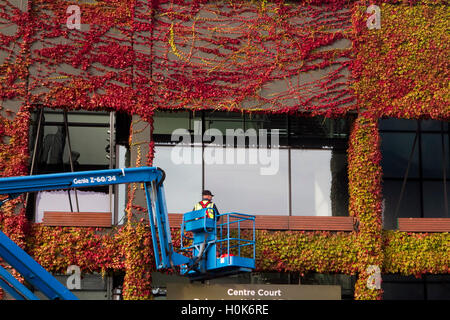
224 240
227 238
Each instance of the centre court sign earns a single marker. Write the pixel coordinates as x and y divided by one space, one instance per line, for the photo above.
178 291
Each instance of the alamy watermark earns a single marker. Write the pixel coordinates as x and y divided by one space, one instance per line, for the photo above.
374 21
228 149
374 279
73 281
74 20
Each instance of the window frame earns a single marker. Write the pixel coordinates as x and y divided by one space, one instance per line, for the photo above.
444 133
37 142
340 142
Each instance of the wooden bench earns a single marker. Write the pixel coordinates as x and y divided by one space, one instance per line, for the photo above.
424 224
77 219
270 222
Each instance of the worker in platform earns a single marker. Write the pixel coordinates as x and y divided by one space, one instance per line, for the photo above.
206 202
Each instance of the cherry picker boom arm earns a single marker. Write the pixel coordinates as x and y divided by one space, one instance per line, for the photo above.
152 179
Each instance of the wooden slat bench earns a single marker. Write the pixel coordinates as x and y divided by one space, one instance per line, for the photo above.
77 219
270 222
424 224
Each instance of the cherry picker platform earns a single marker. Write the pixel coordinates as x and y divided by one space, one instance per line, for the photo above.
210 247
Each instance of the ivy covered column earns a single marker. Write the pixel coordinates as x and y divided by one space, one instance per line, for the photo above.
365 172
136 239
13 162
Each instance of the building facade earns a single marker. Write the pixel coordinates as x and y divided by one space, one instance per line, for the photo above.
343 106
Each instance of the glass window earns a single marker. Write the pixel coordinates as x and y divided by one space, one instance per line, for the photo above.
346 282
428 287
92 153
85 118
319 183
166 122
432 157
318 127
87 134
60 201
402 291
53 150
396 149
339 183
438 287
265 121
319 132
433 125
243 188
183 184
315 184
409 205
398 124
223 121
424 193
434 199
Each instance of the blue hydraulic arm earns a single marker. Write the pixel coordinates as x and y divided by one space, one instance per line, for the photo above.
32 271
152 179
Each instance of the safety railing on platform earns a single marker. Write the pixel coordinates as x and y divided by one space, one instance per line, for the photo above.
229 245
228 229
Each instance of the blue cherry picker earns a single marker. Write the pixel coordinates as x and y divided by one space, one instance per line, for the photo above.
209 248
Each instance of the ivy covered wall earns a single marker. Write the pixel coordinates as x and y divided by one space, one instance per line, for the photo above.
399 70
